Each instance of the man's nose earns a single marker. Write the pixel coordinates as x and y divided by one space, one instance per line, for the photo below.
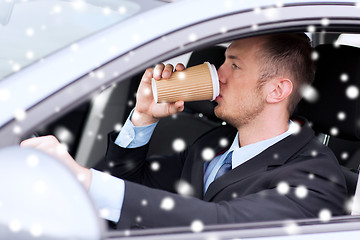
221 74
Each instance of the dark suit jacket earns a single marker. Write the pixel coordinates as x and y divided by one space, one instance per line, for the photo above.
247 193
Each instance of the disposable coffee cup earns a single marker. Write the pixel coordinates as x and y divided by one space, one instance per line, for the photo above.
196 83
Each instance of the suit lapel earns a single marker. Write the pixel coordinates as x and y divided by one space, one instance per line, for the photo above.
274 156
197 168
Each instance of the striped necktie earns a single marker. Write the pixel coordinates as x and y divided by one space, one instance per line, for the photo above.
225 167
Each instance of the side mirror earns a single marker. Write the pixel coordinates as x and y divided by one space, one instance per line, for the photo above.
40 197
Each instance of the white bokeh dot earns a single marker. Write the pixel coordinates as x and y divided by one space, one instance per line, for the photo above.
184 188
29 32
197 226
325 21
117 127
144 202
291 228
15 225
314 55
283 188
36 230
334 131
167 204
179 144
192 37
352 92
32 160
341 116
344 155
314 153
20 114
325 215
301 192
208 154
309 93
344 77
311 28
155 166
29 54
17 130
223 142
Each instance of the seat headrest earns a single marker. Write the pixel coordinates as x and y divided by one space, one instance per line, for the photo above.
336 109
216 56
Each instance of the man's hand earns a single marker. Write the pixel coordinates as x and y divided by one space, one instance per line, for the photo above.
146 110
51 146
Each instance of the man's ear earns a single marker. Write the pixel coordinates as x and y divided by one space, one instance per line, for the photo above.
279 89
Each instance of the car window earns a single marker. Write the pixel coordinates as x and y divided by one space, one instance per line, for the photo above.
31 30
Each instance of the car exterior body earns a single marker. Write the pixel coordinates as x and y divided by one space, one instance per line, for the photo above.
40 91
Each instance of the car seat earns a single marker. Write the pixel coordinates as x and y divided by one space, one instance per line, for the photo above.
333 107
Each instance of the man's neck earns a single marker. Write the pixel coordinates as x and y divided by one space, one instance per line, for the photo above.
262 129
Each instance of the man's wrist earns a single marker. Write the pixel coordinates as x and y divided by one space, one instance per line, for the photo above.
141 119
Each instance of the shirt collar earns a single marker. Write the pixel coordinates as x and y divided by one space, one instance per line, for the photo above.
242 154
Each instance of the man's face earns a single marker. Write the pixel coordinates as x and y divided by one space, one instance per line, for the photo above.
241 100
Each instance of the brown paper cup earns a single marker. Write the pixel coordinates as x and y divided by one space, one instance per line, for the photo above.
196 83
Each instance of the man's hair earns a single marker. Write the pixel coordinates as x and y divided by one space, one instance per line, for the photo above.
288 55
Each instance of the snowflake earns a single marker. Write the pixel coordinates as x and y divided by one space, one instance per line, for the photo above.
291 228
311 29
325 215
118 127
301 192
29 32
208 154
144 202
344 155
104 212
167 204
15 225
310 93
155 166
197 226
352 92
184 188
344 77
334 131
192 37
283 188
32 160
36 230
20 114
325 21
271 14
341 116
179 145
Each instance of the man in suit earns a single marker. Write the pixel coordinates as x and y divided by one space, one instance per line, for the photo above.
272 167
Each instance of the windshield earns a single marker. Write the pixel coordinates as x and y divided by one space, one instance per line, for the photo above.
32 29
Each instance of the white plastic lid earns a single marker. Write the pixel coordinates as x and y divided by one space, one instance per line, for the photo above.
215 80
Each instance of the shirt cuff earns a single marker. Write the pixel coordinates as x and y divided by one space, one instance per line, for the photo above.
107 192
133 137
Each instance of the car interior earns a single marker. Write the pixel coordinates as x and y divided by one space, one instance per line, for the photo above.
334 116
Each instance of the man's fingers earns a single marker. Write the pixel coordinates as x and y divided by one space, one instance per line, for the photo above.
167 71
147 75
176 107
179 67
158 70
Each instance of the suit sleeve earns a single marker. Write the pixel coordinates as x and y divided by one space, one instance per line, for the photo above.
310 190
132 164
